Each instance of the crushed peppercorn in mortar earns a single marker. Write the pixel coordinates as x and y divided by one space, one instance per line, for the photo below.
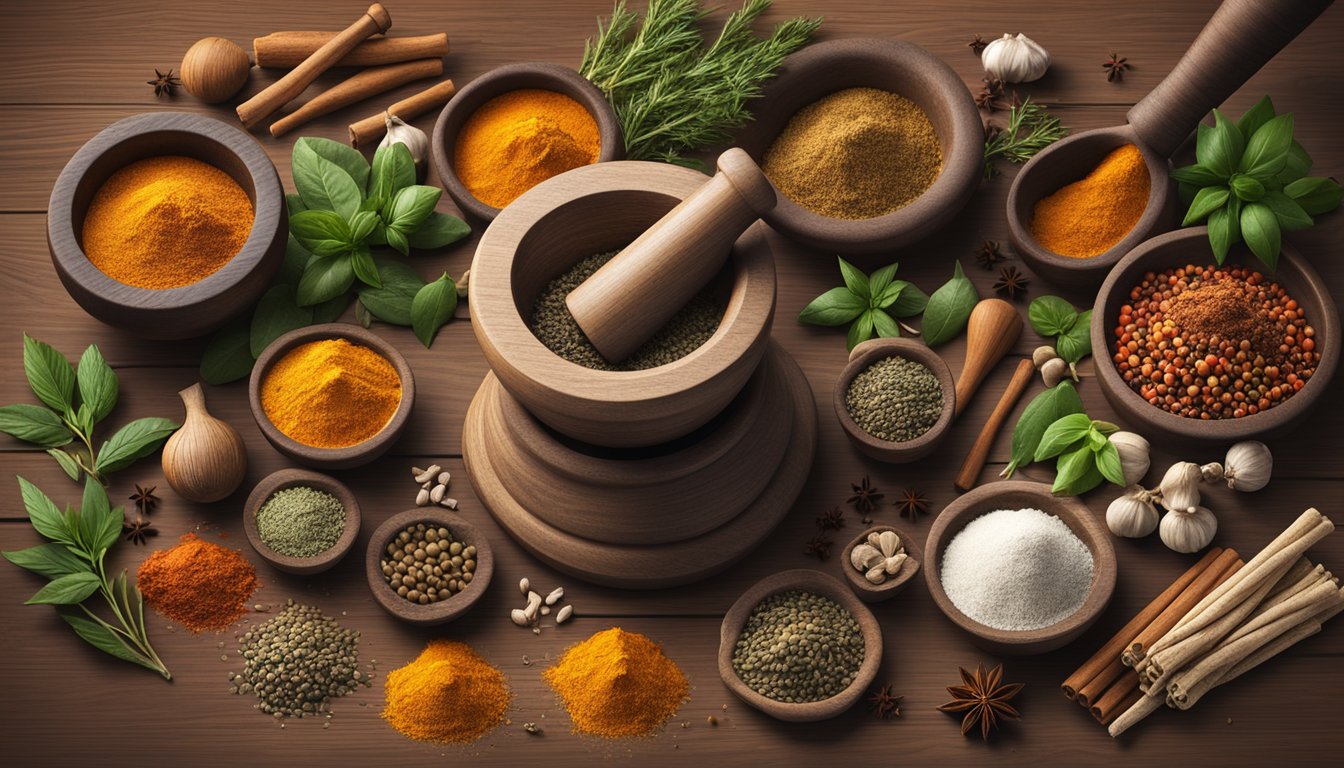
1088 217
1213 342
331 393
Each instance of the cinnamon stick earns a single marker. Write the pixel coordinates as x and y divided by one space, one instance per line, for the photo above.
370 82
284 50
1115 702
975 458
1226 564
370 130
1145 706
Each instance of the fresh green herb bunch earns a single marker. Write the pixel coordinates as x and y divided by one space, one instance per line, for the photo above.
870 302
671 93
1086 457
1251 183
76 400
1031 128
1045 409
73 560
1053 317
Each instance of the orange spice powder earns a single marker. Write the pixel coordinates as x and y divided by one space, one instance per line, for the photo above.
1088 217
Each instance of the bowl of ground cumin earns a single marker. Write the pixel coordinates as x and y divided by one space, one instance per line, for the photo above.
167 224
1193 351
871 144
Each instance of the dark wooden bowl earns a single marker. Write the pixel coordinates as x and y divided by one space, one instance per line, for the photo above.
1187 246
290 478
900 67
497 82
871 351
819 583
869 592
189 310
443 611
333 458
1017 494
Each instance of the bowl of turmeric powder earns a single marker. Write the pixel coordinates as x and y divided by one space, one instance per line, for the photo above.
517 126
167 224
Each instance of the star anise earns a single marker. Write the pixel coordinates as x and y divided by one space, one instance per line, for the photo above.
983 699
819 547
989 95
139 530
144 499
1011 283
977 45
865 496
884 704
989 254
912 503
165 84
832 519
1115 67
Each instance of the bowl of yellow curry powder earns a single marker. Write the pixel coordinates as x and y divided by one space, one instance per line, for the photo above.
331 396
167 224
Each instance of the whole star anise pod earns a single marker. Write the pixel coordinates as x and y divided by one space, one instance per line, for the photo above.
136 532
989 95
144 499
832 519
911 503
865 496
1011 283
819 547
989 254
884 704
983 700
977 45
1115 67
165 84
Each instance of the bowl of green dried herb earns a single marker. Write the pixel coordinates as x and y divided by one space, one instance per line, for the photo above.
301 522
895 399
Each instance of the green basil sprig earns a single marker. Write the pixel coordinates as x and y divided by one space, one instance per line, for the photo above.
871 303
949 309
76 400
1045 409
1251 183
1053 317
1086 457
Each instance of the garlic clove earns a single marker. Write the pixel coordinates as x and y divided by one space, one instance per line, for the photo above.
876 575
1134 455
1053 371
1188 531
1042 355
1132 515
1180 486
1248 466
889 542
1015 59
401 132
893 564
864 556
205 459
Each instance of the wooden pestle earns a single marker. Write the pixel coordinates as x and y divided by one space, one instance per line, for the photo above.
284 90
632 296
991 331
975 458
358 87
285 50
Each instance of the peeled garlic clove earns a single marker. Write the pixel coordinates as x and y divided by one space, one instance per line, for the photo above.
1132 515
519 617
1180 486
889 542
1053 371
876 575
1015 59
1188 531
1248 466
1042 355
1134 460
864 556
893 564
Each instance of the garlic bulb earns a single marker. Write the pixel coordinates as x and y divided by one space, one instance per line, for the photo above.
1180 487
1133 450
1132 515
1188 531
1248 466
205 460
401 132
1015 59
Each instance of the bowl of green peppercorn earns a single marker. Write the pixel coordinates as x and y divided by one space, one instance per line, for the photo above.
895 399
301 522
428 566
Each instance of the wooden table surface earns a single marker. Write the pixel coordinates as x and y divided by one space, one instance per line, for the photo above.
72 67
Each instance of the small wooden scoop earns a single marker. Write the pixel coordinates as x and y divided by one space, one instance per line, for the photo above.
991 331
634 295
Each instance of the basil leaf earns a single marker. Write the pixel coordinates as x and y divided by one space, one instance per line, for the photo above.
97 384
393 170
1256 116
322 184
411 207
70 589
855 281
885 326
228 354
1044 409
1222 146
325 279
861 330
1197 175
391 302
1267 149
1076 343
330 310
1289 213
1316 194
834 307
99 524
1095 440
277 313
909 301
361 225
1063 433
50 560
34 424
1072 467
1051 316
103 639
1246 187
133 441
397 239
949 308
877 284
1105 427
361 260
437 231
1108 463
1090 479
49 375
347 158
312 227
67 463
433 306
295 261
1207 200
1260 229
1298 165
43 514
294 203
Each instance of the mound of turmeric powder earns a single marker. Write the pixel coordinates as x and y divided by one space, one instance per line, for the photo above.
449 694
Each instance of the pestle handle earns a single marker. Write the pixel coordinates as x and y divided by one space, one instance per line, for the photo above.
975 458
1241 36
632 296
991 331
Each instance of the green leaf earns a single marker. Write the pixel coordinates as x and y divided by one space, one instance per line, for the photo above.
277 313
1256 116
877 285
1245 187
1315 194
411 207
294 263
1220 147
391 303
330 310
910 300
43 513
885 326
325 279
1289 213
861 330
98 387
330 248
100 524
1298 165
397 239
361 225
104 639
949 308
1044 409
361 261
1198 176
228 354
433 306
1207 200
50 560
1267 149
323 185
855 281
1260 228
1104 427
437 231
67 463
294 203
1108 463
49 374
1090 479
348 158
133 441
34 424
1051 316
1063 433
1076 343
834 307
70 589
1071 468
313 227
393 170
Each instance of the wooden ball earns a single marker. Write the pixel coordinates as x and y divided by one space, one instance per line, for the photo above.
214 69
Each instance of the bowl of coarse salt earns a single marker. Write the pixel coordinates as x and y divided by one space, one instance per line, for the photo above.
1020 569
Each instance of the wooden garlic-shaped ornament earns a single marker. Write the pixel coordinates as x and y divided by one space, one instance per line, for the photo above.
205 460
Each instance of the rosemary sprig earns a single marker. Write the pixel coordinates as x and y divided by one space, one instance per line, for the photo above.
1031 128
671 93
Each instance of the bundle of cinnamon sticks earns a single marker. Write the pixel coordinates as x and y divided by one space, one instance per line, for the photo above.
1217 621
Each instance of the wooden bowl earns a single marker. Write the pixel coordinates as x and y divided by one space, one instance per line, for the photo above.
332 458
1017 494
1069 160
592 210
871 351
189 310
900 67
894 585
290 478
1187 246
818 583
443 611
497 82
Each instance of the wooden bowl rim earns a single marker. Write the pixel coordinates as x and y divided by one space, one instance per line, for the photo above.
871 351
865 589
290 478
735 620
445 610
1194 239
979 501
501 80
352 455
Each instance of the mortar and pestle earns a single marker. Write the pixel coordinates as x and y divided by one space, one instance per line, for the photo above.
1238 40
644 478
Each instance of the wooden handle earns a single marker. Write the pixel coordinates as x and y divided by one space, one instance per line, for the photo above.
193 398
992 330
371 129
366 84
285 50
975 459
283 91
1240 37
634 295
